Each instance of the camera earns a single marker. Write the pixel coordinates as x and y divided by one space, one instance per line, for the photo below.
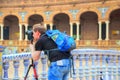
30 34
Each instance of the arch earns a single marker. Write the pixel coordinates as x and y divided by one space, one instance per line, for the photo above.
111 9
88 10
30 14
34 19
11 22
59 12
114 18
89 24
12 13
61 21
115 13
91 12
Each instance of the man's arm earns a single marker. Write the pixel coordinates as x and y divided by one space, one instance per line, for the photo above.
35 54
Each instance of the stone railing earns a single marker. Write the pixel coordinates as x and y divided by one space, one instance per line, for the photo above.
89 64
95 64
16 59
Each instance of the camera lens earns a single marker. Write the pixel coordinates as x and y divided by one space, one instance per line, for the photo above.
30 34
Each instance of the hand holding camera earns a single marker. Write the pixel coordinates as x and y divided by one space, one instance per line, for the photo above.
30 35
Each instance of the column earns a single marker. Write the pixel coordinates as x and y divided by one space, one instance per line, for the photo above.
20 32
26 29
71 29
107 30
100 31
1 32
45 25
77 23
51 26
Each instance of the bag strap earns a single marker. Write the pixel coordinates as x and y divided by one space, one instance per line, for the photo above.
47 52
71 66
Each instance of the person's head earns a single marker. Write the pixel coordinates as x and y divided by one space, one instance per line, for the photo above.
38 30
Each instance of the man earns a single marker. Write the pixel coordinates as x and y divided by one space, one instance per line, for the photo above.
59 61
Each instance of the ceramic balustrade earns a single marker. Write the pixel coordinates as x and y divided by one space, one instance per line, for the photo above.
96 64
89 64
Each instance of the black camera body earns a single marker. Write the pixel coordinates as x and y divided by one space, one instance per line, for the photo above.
30 34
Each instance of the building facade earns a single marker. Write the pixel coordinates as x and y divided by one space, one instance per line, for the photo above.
93 23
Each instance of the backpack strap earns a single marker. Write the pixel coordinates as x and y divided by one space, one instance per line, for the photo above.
71 66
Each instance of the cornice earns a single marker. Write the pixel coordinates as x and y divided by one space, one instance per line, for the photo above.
47 4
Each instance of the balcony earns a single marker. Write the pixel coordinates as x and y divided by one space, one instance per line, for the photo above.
20 45
99 44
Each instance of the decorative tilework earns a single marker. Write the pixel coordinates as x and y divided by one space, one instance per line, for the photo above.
23 14
103 11
47 13
73 12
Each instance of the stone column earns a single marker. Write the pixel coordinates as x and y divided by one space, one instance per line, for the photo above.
20 31
1 31
71 29
107 30
100 31
45 25
77 23
26 29
51 26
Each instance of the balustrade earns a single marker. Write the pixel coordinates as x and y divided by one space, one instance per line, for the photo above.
98 64
89 64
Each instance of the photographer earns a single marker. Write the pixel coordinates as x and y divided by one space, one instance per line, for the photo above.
59 61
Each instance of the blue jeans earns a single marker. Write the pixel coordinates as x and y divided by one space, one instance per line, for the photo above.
59 70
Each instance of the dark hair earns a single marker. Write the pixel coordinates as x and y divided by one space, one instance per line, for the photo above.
39 27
